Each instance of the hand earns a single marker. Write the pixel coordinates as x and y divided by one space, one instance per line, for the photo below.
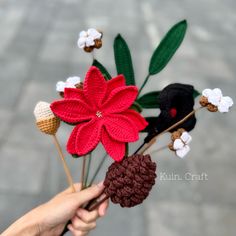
51 217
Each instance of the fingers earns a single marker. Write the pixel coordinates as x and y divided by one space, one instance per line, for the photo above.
89 193
103 208
77 187
86 216
76 232
83 222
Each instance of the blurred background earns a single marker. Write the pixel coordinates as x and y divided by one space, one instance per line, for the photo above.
38 47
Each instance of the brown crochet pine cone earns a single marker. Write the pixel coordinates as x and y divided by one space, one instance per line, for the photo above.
129 182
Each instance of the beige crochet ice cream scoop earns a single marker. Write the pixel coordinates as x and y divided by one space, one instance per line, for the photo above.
48 123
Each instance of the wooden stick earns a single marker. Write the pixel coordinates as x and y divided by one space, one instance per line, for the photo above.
88 169
67 171
159 149
153 140
93 55
92 205
83 172
98 169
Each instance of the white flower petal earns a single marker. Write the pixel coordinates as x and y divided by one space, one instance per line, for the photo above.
89 41
81 42
217 92
227 100
213 99
186 137
70 85
94 33
60 86
225 104
223 108
206 92
178 144
183 152
83 34
73 80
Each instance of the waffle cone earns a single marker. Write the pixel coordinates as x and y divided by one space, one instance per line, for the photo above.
49 125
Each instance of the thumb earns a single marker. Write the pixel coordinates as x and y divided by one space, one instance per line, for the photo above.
89 193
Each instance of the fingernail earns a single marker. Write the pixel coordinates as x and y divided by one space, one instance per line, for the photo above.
100 185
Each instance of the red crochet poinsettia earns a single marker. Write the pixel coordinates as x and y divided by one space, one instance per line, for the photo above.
101 113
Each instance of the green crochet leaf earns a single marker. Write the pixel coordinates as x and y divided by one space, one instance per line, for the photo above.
195 93
102 69
149 100
167 47
123 60
74 155
137 107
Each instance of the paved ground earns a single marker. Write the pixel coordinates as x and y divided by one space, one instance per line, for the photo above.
38 48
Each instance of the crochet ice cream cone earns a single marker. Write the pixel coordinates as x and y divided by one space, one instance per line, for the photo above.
46 121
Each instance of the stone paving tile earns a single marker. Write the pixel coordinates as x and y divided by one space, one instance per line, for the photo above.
172 218
11 80
36 52
219 220
15 205
123 221
23 168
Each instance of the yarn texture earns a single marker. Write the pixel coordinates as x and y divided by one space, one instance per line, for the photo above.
46 121
101 113
129 182
49 126
176 101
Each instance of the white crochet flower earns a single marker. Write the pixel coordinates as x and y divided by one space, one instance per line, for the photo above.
70 83
216 98
87 38
181 146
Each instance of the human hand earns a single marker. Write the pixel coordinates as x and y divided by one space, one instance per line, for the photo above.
51 217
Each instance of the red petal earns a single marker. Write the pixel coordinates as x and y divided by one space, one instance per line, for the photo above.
115 149
71 111
95 86
115 82
88 136
120 99
136 118
120 128
72 93
71 141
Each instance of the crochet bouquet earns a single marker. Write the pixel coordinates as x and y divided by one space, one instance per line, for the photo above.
105 109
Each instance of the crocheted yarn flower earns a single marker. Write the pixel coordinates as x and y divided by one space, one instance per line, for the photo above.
180 143
176 101
71 82
101 113
214 100
90 39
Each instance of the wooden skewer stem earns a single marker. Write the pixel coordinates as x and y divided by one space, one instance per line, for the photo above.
153 140
67 171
